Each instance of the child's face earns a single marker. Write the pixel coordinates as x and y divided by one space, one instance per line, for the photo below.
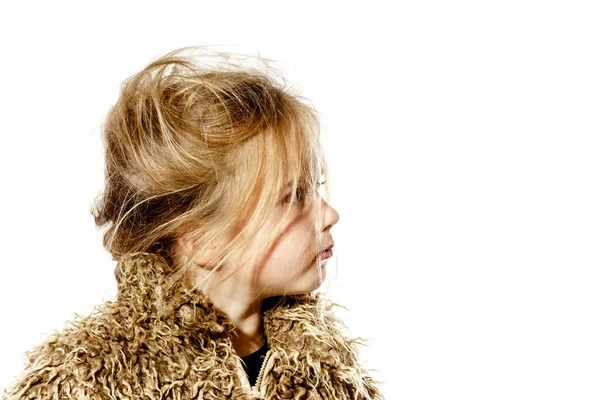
290 265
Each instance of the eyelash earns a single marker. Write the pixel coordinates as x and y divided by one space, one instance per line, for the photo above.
301 191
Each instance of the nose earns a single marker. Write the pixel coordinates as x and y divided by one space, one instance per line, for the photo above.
329 216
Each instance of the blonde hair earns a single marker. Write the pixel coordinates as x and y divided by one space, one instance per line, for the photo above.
200 142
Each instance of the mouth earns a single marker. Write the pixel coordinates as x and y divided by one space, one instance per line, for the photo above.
326 253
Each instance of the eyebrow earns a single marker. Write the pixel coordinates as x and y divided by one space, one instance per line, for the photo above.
290 183
287 185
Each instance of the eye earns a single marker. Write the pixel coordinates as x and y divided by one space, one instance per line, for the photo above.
300 195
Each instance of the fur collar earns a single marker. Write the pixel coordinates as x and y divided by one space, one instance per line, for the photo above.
165 342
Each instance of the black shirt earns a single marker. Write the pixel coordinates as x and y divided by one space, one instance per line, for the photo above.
252 363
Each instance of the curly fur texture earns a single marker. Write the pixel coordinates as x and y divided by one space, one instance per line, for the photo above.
159 341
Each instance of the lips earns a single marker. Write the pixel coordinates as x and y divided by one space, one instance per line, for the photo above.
327 248
326 252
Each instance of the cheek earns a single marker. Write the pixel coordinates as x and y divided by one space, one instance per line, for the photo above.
298 245
290 258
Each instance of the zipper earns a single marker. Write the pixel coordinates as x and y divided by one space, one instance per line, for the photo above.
267 360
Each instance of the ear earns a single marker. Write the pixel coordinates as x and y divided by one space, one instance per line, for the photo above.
188 245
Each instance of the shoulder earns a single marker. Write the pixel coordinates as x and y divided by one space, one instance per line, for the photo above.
307 334
66 363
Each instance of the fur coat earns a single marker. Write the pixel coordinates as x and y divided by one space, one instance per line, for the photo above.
164 342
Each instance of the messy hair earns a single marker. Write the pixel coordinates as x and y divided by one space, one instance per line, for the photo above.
200 142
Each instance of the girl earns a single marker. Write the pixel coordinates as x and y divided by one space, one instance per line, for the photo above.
221 238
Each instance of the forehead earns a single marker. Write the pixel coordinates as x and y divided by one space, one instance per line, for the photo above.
302 155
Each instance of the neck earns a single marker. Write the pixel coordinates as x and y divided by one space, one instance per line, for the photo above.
250 336
246 314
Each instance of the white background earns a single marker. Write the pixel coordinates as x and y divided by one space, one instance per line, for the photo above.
462 138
